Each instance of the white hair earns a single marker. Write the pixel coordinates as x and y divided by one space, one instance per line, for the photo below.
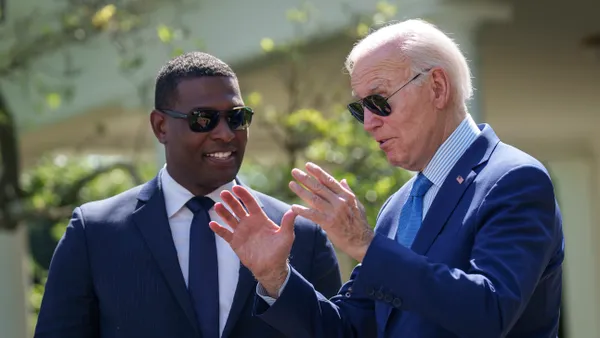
424 46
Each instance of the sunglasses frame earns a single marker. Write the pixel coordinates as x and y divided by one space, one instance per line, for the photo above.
368 102
192 116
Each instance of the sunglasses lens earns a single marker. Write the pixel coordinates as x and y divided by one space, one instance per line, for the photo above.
203 121
377 104
240 118
356 109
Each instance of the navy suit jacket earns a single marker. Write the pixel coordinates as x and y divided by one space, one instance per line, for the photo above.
486 262
115 273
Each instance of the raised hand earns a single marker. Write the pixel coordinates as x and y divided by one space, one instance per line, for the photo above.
335 208
262 246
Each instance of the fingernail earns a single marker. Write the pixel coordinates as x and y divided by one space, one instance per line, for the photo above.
311 165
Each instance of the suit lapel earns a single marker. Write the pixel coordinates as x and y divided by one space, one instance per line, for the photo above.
458 180
246 283
151 219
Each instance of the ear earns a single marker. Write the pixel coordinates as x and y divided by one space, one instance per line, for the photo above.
441 87
159 127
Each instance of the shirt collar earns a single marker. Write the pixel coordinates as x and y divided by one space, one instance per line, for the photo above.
176 196
448 154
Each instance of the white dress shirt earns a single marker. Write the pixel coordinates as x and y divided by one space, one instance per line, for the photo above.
180 221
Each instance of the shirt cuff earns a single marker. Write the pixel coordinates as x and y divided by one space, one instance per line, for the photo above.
262 293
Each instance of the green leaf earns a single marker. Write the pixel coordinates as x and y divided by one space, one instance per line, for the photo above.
53 100
387 9
165 34
104 15
362 29
297 15
254 99
267 45
176 52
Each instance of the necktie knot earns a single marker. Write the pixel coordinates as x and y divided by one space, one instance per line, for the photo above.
420 186
198 203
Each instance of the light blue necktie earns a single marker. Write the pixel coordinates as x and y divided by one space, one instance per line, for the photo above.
411 217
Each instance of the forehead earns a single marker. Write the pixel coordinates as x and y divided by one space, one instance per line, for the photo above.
376 72
218 92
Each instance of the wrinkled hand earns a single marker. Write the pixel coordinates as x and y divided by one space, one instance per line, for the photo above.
335 208
261 245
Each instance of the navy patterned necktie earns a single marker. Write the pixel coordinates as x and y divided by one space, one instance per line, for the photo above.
411 216
203 279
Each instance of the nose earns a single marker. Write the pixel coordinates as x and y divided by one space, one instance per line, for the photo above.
222 131
371 121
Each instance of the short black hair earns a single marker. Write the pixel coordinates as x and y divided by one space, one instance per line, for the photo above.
186 66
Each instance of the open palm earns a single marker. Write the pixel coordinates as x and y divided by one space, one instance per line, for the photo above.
261 245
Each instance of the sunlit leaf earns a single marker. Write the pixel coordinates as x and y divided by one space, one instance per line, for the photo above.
176 52
53 100
267 44
254 99
387 9
165 34
104 15
297 15
362 29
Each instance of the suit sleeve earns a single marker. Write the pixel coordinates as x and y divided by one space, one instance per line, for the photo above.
69 307
519 231
302 312
325 273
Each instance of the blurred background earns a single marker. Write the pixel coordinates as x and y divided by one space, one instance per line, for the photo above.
77 81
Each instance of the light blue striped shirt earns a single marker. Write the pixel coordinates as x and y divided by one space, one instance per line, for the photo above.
446 157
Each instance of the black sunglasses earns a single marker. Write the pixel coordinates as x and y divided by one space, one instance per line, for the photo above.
376 103
205 120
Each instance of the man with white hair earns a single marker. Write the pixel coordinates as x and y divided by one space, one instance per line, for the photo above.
472 246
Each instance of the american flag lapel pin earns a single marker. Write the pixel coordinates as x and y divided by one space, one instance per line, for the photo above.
459 179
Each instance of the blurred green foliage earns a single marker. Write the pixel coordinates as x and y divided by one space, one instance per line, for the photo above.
58 184
330 137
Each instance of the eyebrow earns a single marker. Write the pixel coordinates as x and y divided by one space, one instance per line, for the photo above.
374 89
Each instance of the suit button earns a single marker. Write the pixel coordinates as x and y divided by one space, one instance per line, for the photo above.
397 302
388 298
379 295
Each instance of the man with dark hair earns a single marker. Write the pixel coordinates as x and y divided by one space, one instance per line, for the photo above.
145 263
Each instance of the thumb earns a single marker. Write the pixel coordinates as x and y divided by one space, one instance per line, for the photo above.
345 184
287 223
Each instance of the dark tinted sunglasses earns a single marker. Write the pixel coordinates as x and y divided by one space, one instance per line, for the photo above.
376 103
205 120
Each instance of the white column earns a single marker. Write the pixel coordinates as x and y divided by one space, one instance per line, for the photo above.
581 298
14 284
462 23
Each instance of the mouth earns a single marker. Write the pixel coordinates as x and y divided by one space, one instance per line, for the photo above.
221 157
382 141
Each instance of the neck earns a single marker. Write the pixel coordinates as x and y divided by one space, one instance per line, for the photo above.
452 120
193 187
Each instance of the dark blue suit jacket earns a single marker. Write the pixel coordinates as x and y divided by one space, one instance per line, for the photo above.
486 262
115 273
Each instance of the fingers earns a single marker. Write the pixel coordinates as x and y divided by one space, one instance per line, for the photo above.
233 203
246 197
314 185
344 184
312 199
326 179
310 214
287 223
221 231
225 215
